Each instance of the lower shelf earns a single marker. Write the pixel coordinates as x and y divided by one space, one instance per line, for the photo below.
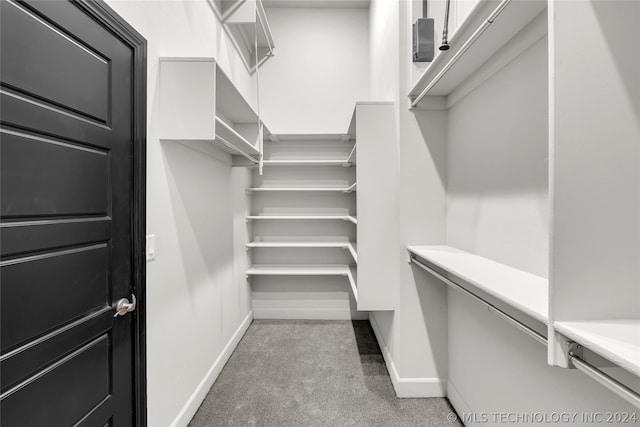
349 218
308 270
307 244
298 270
615 340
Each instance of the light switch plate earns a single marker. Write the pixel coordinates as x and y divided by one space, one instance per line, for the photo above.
151 247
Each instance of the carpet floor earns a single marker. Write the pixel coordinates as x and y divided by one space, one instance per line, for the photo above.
312 373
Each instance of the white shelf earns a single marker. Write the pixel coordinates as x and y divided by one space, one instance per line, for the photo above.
350 246
489 26
302 189
304 217
298 270
309 162
310 137
524 291
615 340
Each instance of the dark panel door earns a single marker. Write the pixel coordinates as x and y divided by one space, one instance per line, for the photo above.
66 218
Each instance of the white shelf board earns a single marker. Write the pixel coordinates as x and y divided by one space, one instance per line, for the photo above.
350 246
224 132
304 217
298 270
516 288
302 189
615 340
489 26
353 187
305 137
306 162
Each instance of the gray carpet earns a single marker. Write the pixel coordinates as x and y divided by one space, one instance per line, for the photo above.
312 373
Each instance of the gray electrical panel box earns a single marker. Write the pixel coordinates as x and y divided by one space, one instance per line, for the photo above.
423 40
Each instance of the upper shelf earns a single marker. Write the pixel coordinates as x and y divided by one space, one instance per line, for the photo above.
516 288
489 26
615 340
198 102
246 22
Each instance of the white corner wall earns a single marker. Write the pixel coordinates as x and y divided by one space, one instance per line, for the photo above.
198 305
319 71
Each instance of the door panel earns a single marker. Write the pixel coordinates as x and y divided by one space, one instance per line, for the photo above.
74 281
85 374
32 184
66 215
79 84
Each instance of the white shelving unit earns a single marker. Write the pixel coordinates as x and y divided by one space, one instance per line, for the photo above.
593 293
304 180
595 278
519 289
200 103
246 22
489 26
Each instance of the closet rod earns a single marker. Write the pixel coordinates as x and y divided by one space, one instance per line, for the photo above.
586 368
613 385
475 36
515 322
236 149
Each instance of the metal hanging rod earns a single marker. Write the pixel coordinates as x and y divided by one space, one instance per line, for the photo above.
596 374
236 149
515 322
474 37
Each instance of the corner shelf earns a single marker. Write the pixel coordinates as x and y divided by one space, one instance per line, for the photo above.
523 291
302 189
349 218
350 246
489 26
616 340
305 162
298 270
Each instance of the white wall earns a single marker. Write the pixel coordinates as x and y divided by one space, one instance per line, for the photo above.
319 71
195 299
497 166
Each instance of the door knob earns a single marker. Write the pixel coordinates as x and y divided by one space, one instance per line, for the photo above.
123 306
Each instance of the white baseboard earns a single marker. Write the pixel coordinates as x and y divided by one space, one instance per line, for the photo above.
459 405
194 402
408 387
309 314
